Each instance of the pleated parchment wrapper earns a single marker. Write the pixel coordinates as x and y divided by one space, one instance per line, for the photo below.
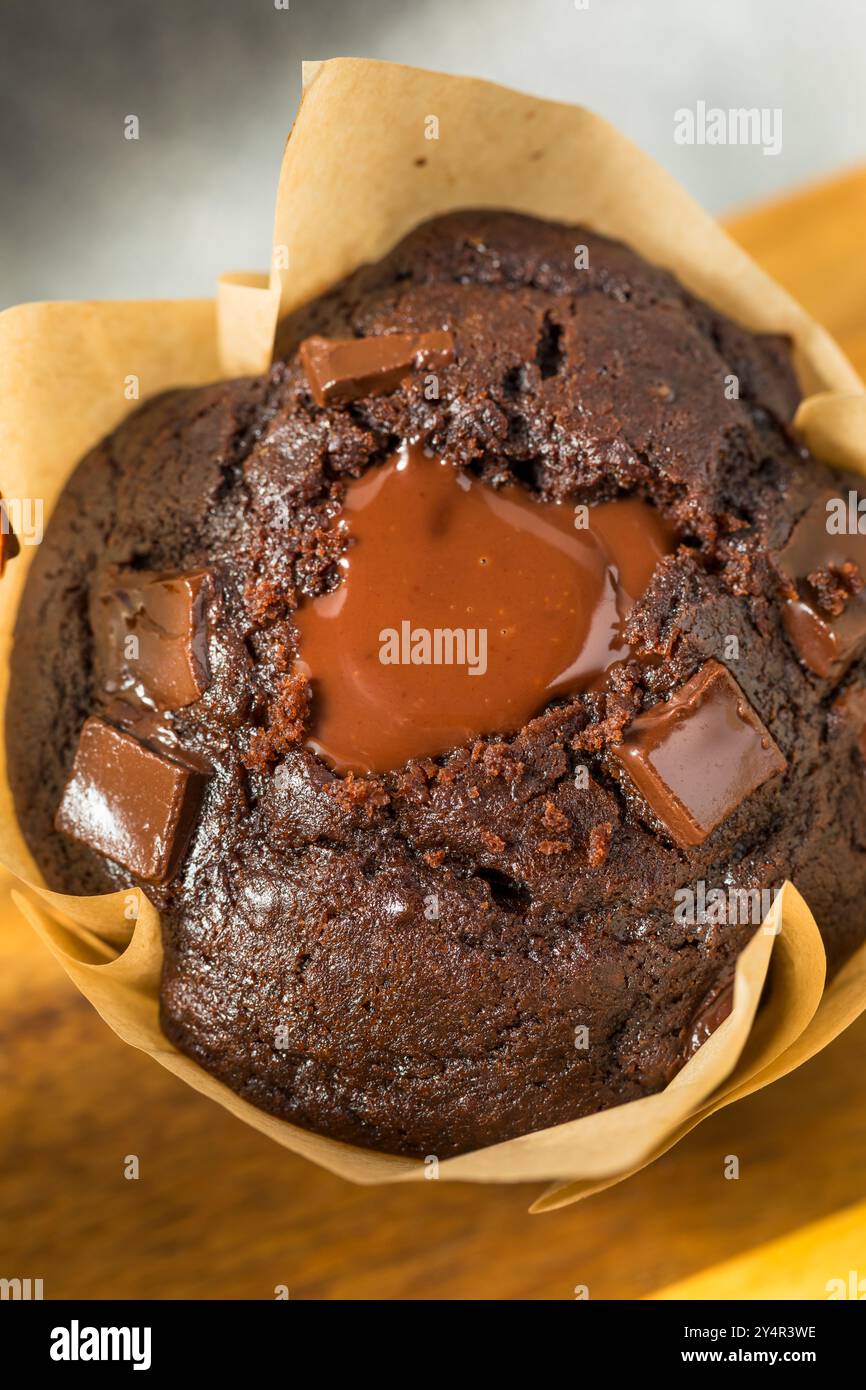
375 149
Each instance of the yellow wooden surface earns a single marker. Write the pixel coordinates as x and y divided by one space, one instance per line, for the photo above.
825 1260
220 1212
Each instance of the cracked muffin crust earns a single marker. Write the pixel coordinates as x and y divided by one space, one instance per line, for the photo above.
404 960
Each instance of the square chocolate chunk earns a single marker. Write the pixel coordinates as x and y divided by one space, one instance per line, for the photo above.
826 635
151 636
344 369
696 757
130 802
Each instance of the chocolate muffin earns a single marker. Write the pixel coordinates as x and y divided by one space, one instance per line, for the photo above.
454 687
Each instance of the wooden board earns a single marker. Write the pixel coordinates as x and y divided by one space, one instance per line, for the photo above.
220 1212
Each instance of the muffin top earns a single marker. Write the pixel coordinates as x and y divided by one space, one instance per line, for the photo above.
389 901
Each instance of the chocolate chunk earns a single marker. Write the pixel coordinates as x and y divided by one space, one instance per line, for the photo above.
130 802
343 369
713 1012
697 756
827 636
151 636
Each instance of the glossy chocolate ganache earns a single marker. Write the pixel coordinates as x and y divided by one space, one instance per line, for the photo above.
417 680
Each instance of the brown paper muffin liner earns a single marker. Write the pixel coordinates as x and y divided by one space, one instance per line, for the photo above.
377 148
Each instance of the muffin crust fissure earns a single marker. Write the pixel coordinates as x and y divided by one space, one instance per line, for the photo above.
404 961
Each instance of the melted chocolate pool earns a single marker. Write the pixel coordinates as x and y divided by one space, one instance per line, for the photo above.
464 609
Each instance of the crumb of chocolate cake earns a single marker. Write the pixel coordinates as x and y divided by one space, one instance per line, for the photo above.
554 818
285 726
835 586
494 842
600 837
353 793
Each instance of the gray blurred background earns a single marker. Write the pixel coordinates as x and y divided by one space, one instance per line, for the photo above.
215 83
